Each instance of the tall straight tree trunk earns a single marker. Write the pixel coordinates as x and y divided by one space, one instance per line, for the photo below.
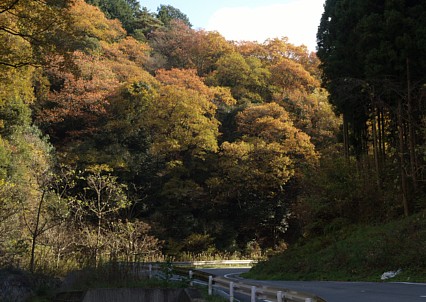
36 232
411 136
379 136
376 145
345 136
383 135
401 159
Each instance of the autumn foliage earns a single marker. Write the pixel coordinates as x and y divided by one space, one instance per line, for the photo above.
158 134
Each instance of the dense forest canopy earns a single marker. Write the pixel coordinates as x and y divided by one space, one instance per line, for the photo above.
373 62
126 134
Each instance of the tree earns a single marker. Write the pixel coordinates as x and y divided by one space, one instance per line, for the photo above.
132 241
32 24
182 122
271 123
204 48
75 108
169 46
168 13
103 198
246 77
92 25
123 10
366 51
52 207
255 171
145 24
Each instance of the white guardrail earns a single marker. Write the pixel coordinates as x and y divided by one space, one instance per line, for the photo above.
261 292
226 263
245 287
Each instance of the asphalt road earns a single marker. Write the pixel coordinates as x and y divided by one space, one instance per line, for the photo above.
343 291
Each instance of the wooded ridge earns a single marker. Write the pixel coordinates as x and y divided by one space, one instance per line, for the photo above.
127 135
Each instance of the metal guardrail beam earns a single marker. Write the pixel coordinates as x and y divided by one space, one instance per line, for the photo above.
244 287
215 262
266 292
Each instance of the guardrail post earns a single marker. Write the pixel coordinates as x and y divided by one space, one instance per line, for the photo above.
279 296
190 278
253 294
231 291
150 271
210 285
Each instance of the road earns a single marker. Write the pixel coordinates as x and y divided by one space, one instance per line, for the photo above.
343 291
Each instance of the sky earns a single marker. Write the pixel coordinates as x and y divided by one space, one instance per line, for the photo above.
252 20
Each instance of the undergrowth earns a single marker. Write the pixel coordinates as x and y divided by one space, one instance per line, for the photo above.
354 253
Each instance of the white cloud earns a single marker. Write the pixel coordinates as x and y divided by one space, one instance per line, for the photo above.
298 20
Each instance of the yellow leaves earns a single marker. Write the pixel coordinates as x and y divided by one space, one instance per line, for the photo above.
99 169
26 25
223 96
236 150
256 165
127 50
267 121
183 120
291 75
16 84
14 49
271 123
91 22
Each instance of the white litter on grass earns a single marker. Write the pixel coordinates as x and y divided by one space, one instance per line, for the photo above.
390 274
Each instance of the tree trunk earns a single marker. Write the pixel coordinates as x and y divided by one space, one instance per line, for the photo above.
401 160
345 137
383 135
98 240
376 152
35 234
411 136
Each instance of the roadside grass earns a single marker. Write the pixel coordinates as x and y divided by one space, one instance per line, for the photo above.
354 253
212 298
110 277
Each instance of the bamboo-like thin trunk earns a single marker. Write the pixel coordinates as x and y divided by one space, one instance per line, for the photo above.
383 134
35 233
345 137
376 152
411 136
401 160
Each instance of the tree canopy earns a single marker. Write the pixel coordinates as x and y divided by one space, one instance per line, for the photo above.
121 124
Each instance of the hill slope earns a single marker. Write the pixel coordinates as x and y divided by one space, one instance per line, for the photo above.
354 253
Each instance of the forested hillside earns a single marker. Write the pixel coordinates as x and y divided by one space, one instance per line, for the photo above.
127 134
365 208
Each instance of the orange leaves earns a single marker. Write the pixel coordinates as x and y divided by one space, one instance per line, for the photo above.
290 75
190 49
188 79
293 70
82 98
185 78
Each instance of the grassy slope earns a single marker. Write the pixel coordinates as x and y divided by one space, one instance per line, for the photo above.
354 253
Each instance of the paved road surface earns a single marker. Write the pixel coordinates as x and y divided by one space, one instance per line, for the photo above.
345 291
